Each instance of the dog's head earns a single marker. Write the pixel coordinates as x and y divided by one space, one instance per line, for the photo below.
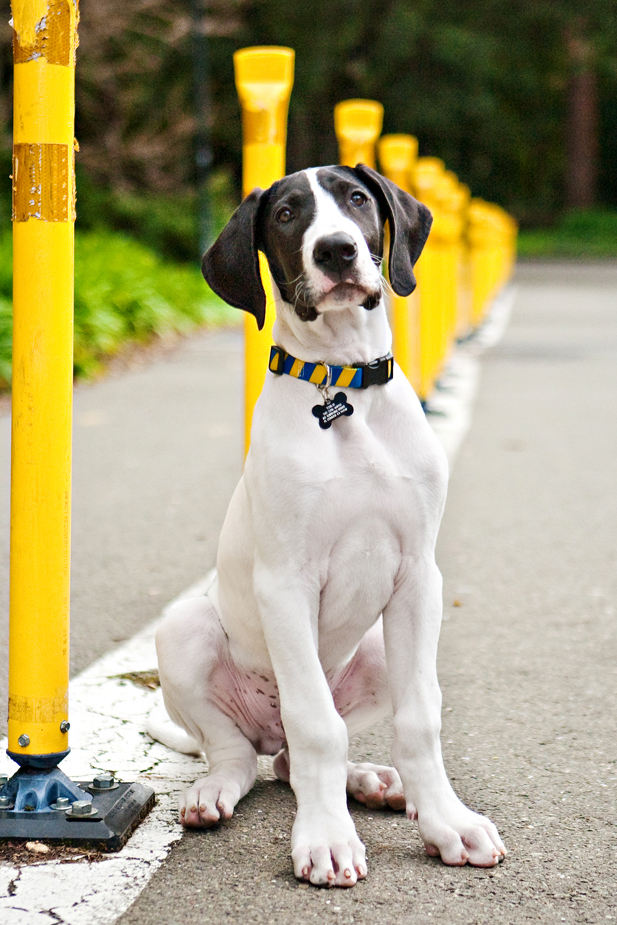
322 231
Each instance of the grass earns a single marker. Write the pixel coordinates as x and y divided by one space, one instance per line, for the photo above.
125 293
584 235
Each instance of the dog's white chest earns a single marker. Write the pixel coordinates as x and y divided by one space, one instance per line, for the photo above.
341 508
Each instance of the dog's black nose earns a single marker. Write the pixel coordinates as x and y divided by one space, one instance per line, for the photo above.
335 253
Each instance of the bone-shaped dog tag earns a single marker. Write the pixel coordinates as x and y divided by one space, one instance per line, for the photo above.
332 409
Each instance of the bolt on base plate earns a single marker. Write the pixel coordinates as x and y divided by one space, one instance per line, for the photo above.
118 813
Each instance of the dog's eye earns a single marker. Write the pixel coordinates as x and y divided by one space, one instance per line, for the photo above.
284 215
358 199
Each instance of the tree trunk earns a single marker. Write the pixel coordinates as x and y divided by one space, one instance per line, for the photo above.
582 125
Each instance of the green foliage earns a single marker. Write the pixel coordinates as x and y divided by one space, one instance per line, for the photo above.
124 293
483 84
166 222
580 234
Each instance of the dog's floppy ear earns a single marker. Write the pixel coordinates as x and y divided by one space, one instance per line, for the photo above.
410 222
231 265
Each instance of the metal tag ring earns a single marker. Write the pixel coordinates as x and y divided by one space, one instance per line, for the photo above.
324 387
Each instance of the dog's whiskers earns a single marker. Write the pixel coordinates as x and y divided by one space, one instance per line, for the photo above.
301 291
384 285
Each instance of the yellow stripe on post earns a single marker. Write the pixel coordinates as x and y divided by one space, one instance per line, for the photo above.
264 78
397 158
357 124
45 37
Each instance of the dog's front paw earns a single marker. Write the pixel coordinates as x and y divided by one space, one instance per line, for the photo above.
210 800
326 850
459 836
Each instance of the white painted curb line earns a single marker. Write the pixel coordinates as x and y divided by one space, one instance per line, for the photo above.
107 719
452 404
109 716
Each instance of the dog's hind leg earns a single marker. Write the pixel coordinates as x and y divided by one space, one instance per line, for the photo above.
190 645
362 697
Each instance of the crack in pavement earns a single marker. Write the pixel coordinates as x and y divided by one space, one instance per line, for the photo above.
12 887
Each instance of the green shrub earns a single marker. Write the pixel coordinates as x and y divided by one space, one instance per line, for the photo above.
124 293
167 223
583 234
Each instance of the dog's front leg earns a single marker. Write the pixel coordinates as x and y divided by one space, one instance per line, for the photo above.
412 621
325 847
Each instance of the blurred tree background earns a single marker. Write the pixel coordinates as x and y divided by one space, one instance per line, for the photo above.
519 99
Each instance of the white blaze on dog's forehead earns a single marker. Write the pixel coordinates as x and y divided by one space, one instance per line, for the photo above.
328 219
328 215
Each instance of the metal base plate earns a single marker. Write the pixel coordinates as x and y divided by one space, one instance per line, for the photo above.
119 812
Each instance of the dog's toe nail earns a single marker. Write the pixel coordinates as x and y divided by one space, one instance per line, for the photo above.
305 872
347 873
331 875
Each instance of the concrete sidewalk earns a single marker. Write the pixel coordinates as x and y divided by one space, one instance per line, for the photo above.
527 663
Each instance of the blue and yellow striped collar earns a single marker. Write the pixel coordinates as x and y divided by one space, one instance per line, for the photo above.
378 372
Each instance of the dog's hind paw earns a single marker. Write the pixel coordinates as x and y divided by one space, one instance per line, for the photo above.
377 786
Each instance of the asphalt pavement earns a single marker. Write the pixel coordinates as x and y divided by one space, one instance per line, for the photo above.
157 453
528 650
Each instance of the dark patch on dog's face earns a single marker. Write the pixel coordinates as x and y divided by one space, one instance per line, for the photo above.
288 212
356 202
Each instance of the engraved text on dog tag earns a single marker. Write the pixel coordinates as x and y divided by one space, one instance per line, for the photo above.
332 409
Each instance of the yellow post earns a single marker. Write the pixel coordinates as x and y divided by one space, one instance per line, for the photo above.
463 320
45 37
357 124
427 175
454 203
492 240
264 78
397 158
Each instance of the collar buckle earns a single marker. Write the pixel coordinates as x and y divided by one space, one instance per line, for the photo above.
377 372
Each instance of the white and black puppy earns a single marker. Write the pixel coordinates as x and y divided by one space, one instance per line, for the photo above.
326 609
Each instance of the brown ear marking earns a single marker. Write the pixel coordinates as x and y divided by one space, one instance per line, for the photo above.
231 265
410 222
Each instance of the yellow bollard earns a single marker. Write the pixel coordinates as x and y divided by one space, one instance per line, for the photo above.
454 203
463 320
492 237
39 800
427 175
264 78
357 124
397 157
45 37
